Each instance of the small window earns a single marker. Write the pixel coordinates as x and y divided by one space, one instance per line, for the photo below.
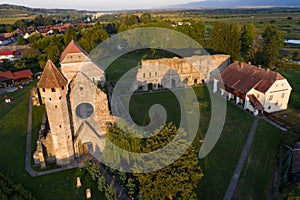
276 104
44 90
55 106
50 99
276 85
271 97
62 87
269 107
52 89
59 98
282 95
155 73
282 84
81 88
257 95
144 75
150 74
59 126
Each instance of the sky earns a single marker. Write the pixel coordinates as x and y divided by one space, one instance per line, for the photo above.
97 4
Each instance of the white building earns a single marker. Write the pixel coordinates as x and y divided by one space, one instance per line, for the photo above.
256 88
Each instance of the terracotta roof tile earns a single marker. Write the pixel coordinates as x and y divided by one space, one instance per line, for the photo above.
52 77
244 77
72 47
4 76
23 74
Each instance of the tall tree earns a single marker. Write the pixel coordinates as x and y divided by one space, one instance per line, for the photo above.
219 36
234 44
273 40
248 37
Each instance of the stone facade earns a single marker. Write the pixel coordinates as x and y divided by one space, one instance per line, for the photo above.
78 111
179 72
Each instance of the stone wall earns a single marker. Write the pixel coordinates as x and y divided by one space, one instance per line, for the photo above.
180 72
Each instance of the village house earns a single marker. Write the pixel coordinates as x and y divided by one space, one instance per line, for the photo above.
257 89
9 55
8 78
23 76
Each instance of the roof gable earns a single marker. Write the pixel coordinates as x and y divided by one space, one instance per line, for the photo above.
4 76
72 47
52 77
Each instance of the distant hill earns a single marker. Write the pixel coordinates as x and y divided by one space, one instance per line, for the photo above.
236 3
7 10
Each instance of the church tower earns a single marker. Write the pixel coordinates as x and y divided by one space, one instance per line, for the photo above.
53 88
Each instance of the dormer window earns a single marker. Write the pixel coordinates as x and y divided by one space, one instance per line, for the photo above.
52 89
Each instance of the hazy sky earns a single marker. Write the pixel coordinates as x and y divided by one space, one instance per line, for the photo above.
97 4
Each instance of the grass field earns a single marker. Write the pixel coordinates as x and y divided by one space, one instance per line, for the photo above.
293 77
219 165
256 178
13 123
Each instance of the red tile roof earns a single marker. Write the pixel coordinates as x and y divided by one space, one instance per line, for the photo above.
4 76
23 74
72 47
52 77
243 77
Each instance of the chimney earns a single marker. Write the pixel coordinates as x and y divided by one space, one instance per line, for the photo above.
242 65
268 69
249 63
259 67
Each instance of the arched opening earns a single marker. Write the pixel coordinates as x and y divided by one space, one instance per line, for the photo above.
150 86
195 81
185 81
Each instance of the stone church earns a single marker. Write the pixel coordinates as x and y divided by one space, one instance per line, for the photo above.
77 109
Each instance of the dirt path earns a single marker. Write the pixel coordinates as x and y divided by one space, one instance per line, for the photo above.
238 169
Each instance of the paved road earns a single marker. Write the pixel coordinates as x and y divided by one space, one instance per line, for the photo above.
238 169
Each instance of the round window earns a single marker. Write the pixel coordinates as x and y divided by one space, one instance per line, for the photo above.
84 110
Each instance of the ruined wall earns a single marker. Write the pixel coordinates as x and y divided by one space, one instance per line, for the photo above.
178 72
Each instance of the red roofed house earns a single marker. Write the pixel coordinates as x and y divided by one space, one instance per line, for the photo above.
23 76
256 88
6 79
9 55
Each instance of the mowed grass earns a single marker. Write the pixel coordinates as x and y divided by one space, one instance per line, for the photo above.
13 123
256 178
293 77
219 165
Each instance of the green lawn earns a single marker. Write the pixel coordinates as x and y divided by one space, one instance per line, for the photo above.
256 178
219 165
13 123
293 77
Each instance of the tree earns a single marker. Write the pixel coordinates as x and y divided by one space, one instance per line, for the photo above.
110 193
273 40
131 187
219 36
146 18
21 40
248 37
91 37
195 30
177 180
234 44
70 35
